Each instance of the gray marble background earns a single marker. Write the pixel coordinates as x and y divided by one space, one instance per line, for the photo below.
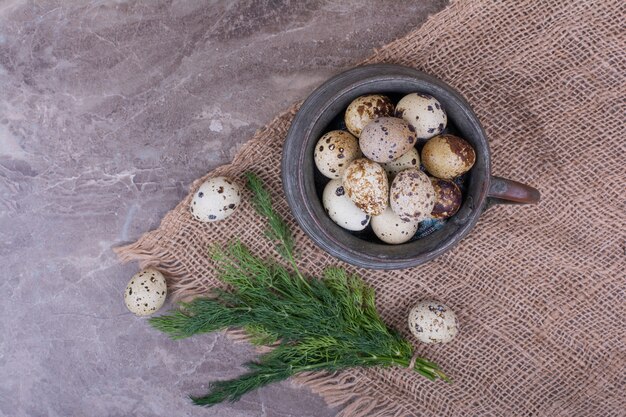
108 111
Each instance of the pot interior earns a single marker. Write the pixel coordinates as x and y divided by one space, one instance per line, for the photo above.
325 112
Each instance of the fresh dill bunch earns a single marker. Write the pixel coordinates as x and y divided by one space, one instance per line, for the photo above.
326 324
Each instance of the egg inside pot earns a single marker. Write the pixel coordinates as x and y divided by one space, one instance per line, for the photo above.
412 196
364 109
367 185
341 209
386 139
334 152
448 156
428 225
390 228
448 198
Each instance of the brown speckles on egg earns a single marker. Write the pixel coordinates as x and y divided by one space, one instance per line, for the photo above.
432 322
341 209
448 198
424 113
365 182
390 228
145 296
410 159
409 198
364 109
386 140
212 198
448 156
341 147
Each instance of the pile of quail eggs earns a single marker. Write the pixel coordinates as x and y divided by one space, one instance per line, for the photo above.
379 177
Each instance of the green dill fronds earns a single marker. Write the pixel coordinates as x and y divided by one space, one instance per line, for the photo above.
277 230
326 324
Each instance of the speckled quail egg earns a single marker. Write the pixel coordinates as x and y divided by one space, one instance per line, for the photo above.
448 156
366 184
145 292
410 159
364 109
341 209
412 196
424 113
334 151
390 228
216 199
386 139
433 322
448 198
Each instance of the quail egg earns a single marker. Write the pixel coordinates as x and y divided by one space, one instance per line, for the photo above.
334 151
424 113
216 199
364 109
366 184
448 156
390 228
448 198
145 292
341 209
412 196
410 159
433 322
386 139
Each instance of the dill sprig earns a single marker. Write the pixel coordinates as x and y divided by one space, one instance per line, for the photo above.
326 324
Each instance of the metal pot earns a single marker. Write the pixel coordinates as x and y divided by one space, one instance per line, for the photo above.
302 183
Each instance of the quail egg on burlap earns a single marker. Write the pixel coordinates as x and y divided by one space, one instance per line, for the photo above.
386 139
448 156
448 198
334 151
216 199
145 292
433 322
364 109
390 228
424 113
341 209
412 196
366 184
410 159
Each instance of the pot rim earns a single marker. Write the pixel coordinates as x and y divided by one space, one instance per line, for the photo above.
298 187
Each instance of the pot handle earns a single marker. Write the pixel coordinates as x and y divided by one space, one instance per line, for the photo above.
503 191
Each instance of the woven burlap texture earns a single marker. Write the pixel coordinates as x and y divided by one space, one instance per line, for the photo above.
539 290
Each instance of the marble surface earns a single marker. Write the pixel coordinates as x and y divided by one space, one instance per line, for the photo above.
108 111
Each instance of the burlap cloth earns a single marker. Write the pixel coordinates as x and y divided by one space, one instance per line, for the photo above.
539 290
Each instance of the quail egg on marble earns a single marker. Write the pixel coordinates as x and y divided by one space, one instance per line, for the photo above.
334 151
367 185
447 156
410 159
216 199
341 209
424 113
364 109
433 322
448 198
386 139
390 228
412 196
145 292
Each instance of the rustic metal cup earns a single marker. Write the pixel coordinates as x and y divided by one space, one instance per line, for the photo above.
302 190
